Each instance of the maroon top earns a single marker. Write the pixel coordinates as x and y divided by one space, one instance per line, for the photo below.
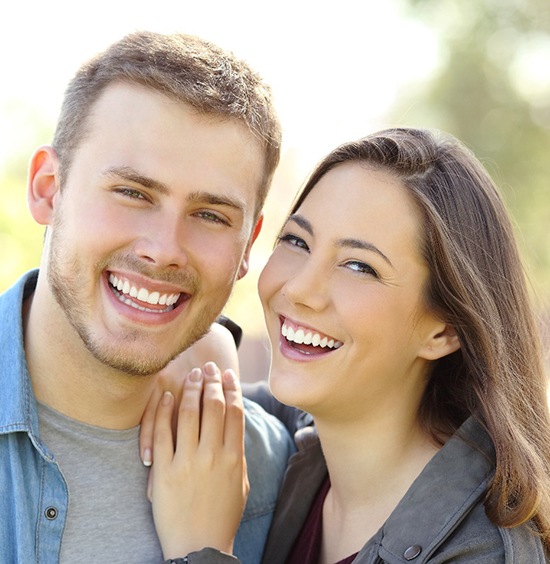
307 548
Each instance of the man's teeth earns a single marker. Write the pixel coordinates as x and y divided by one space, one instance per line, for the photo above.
303 336
142 294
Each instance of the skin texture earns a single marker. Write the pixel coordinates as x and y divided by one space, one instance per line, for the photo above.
160 197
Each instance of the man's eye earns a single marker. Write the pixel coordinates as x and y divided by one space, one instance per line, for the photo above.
131 193
293 240
212 217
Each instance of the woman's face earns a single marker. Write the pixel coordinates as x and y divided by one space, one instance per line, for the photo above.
342 296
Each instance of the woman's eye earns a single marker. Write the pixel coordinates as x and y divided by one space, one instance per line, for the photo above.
361 267
294 241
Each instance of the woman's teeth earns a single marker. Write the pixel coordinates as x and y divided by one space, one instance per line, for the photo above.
304 336
142 295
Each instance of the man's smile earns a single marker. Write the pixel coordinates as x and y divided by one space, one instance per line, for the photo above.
142 298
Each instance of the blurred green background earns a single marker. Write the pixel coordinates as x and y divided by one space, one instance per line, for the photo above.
479 69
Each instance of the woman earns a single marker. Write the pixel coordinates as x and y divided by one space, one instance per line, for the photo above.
399 318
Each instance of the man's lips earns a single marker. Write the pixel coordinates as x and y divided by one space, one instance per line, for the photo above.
142 298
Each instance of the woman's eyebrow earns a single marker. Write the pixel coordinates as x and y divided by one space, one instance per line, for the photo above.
302 222
360 244
351 243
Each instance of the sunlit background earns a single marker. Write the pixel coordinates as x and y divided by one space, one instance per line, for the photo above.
479 69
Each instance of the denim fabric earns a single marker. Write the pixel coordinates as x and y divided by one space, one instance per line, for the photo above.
33 492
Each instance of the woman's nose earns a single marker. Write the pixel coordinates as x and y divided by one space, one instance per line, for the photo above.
308 286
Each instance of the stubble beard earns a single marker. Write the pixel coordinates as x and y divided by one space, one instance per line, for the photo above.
63 278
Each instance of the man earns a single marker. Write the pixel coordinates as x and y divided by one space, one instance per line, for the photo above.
152 195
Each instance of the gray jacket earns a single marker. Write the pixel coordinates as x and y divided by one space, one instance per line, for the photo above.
440 519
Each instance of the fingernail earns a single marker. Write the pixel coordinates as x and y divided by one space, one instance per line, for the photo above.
147 458
229 376
210 368
195 375
167 398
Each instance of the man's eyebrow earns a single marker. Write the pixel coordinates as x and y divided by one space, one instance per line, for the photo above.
351 243
132 175
213 199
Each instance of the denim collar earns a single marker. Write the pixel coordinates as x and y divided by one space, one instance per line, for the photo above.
18 412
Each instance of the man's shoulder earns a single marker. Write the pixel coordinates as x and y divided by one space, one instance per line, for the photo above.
12 298
262 428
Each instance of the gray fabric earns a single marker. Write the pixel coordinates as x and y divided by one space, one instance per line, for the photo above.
109 517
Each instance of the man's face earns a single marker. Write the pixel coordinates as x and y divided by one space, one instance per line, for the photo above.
152 227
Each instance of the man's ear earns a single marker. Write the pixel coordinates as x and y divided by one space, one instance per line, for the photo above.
43 184
243 269
441 342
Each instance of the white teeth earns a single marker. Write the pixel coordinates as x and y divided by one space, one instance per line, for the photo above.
153 298
299 336
141 294
302 336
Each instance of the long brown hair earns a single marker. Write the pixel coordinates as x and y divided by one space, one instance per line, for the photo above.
477 285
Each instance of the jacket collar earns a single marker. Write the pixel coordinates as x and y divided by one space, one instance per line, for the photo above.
453 482
437 501
17 399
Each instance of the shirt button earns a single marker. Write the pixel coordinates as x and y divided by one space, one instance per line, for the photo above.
51 513
412 552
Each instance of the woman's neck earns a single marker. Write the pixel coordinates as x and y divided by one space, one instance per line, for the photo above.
371 465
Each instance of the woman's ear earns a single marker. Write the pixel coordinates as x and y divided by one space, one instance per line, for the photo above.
43 184
442 342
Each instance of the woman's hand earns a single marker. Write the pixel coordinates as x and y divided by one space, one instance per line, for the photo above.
200 485
216 346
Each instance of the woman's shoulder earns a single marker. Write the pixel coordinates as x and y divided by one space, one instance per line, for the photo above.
478 540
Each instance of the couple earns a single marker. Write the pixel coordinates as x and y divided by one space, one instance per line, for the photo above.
394 299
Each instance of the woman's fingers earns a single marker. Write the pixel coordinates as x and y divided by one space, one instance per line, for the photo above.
162 436
206 471
234 412
148 426
213 409
170 379
190 413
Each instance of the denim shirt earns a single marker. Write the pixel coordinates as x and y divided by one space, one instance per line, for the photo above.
33 493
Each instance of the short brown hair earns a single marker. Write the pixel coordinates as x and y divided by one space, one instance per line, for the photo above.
183 67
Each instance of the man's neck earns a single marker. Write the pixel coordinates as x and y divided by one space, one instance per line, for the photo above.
69 379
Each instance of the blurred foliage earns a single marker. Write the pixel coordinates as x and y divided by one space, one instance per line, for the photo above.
20 236
492 91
